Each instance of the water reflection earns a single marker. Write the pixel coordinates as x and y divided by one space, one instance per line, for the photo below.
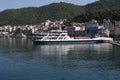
73 52
60 50
22 60
91 55
20 44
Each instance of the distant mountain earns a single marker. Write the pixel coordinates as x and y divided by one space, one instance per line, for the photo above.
34 15
54 11
113 15
99 10
103 4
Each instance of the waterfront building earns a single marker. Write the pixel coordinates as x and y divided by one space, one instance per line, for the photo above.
117 28
108 25
92 23
88 29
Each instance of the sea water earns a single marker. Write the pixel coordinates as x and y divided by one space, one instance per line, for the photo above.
20 59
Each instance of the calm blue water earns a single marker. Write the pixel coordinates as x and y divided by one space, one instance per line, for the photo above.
22 60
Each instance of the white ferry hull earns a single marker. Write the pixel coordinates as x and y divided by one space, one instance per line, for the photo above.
68 42
61 37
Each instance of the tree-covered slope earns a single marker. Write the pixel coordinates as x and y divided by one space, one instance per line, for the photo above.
55 11
33 15
103 4
113 15
99 10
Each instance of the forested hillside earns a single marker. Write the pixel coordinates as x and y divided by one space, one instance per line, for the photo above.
55 11
113 15
34 15
102 5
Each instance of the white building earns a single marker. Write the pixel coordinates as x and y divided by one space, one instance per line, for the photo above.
117 28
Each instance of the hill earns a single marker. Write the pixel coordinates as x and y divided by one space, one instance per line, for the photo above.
34 15
54 11
113 15
103 4
99 10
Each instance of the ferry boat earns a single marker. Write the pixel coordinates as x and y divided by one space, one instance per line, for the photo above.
62 37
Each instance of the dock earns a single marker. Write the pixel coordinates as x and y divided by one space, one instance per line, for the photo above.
117 43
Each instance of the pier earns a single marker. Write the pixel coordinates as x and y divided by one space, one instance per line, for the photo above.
117 43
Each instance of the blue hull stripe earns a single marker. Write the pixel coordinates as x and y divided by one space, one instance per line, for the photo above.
68 42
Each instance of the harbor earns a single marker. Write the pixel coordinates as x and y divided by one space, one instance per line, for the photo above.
79 33
60 40
117 43
22 60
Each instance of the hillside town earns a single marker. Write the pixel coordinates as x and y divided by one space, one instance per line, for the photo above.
105 29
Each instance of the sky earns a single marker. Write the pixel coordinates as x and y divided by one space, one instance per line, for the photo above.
14 4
